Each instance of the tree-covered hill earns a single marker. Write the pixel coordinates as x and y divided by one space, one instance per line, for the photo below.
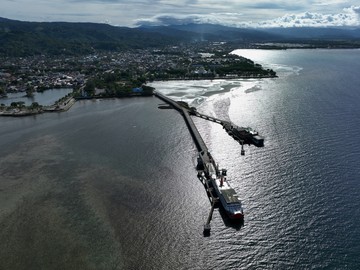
19 38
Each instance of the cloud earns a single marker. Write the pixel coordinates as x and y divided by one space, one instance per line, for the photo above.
350 17
329 2
273 5
171 19
353 9
244 13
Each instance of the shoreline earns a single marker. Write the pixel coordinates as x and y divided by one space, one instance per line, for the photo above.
66 105
217 78
19 112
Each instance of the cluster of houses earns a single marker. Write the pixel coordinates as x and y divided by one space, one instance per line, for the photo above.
13 83
38 73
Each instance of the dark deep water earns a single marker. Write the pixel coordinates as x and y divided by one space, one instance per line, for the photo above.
119 175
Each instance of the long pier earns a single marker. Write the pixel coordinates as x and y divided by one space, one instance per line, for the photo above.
205 157
199 142
207 117
241 134
209 166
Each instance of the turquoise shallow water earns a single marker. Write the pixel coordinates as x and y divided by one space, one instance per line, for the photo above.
300 192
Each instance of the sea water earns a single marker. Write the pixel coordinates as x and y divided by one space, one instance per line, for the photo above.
301 191
121 173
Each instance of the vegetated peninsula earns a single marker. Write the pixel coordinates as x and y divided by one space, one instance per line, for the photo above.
118 74
104 61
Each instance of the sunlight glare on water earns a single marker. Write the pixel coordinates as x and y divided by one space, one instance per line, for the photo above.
119 177
289 188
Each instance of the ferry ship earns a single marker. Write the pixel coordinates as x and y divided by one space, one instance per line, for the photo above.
226 194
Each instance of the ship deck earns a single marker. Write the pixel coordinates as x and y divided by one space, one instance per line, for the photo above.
228 192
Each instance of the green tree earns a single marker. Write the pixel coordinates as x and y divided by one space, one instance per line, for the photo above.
35 105
30 91
90 88
2 91
20 104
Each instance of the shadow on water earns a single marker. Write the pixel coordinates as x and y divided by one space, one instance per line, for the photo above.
165 106
236 224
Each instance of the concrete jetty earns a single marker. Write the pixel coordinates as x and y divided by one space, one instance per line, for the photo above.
210 175
199 142
205 160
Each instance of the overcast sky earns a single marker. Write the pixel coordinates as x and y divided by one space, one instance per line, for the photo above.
253 13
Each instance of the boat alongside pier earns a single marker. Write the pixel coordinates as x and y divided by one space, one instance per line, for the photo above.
214 180
245 135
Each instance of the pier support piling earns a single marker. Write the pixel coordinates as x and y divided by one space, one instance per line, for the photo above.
207 226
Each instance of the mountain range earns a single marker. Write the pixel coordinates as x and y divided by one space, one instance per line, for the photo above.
19 38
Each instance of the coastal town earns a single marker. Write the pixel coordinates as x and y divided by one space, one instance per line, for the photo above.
117 74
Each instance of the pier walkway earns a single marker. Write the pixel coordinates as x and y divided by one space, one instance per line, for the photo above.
241 134
208 170
207 117
205 159
199 142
